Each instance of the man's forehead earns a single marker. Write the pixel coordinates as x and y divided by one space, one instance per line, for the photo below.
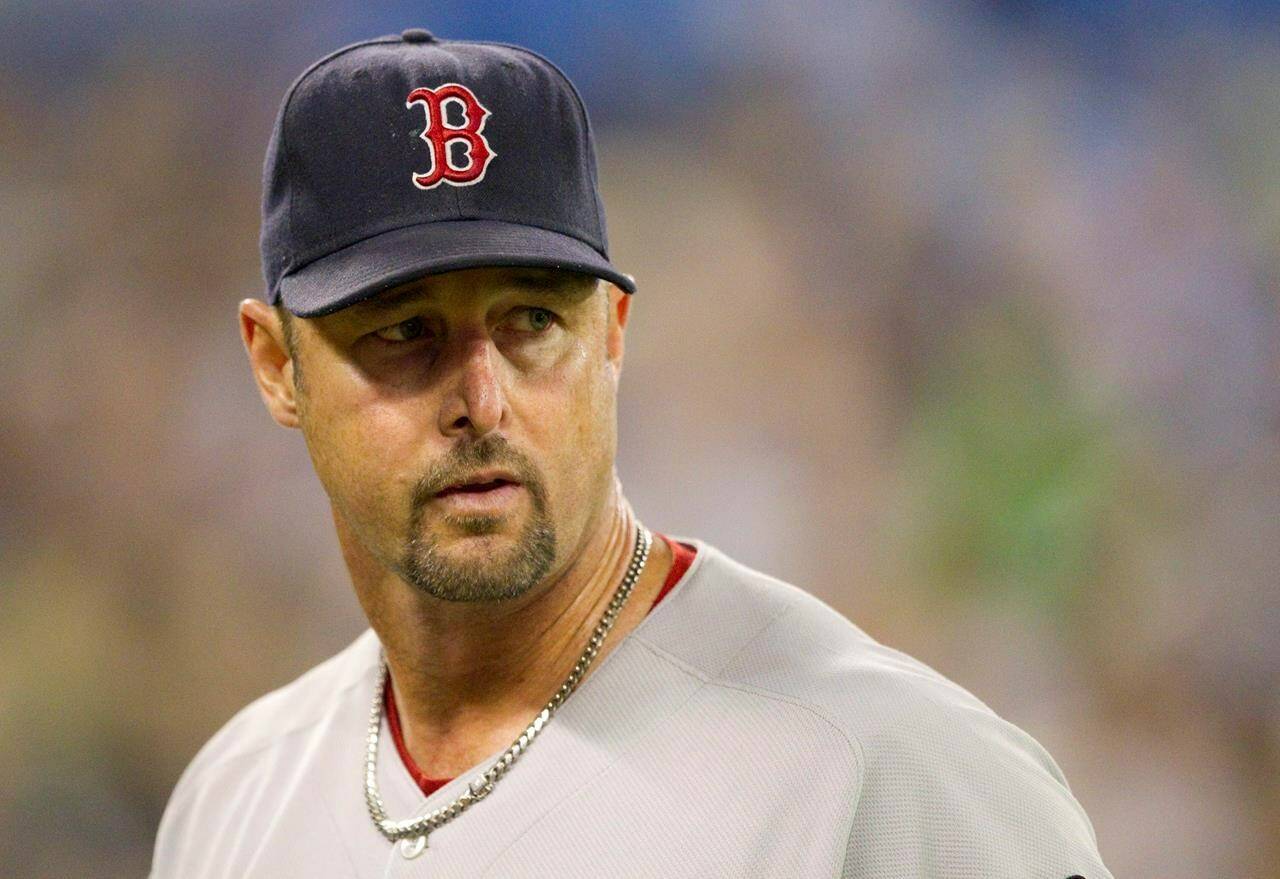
555 283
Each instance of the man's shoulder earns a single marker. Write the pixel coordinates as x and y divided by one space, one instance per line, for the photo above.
741 627
930 757
259 760
275 719
745 630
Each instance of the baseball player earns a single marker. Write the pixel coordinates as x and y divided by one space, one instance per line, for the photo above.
547 687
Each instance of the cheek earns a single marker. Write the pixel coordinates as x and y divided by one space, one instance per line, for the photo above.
363 446
577 424
596 404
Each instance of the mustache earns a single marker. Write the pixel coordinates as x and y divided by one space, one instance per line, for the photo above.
491 450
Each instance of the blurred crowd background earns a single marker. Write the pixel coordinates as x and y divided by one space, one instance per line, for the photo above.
960 316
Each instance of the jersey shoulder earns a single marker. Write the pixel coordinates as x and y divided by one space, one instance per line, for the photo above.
945 786
739 626
274 717
227 778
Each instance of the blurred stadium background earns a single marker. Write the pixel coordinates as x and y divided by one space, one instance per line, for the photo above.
961 316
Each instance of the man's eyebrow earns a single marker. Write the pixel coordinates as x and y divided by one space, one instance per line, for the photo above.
563 288
574 286
385 302
553 286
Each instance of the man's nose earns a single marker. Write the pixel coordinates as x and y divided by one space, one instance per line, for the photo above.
477 401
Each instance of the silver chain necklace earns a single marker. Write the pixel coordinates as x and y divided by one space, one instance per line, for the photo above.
412 834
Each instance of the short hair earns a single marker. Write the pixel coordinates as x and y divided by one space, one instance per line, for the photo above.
290 343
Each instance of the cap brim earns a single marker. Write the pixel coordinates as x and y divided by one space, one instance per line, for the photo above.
375 264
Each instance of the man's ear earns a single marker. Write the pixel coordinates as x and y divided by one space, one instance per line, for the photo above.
619 309
270 359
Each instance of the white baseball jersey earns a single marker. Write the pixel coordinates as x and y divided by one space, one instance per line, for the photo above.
744 728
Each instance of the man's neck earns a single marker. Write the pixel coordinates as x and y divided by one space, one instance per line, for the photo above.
469 677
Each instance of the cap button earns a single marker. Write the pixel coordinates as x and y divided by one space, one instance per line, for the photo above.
417 35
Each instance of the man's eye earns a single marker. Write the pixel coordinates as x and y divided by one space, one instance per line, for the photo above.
405 331
539 318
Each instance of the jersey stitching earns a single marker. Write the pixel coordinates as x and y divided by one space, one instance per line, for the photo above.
855 752
853 813
551 807
343 838
274 741
855 748
855 745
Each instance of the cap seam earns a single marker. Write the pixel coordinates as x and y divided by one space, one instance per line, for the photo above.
588 141
334 54
288 164
284 125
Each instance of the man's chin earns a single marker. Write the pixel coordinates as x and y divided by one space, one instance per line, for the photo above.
474 529
478 560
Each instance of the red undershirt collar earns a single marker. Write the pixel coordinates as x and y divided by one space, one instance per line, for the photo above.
684 554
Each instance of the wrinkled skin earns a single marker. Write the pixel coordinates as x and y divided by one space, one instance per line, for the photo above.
482 612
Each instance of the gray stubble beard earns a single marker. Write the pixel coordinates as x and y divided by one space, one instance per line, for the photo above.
500 577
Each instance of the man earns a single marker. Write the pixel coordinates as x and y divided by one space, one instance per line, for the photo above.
547 688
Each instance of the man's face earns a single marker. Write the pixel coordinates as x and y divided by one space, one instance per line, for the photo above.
438 381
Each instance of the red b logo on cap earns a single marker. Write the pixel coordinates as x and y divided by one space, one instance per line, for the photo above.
439 134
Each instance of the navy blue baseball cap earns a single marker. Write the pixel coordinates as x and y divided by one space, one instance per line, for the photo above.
409 155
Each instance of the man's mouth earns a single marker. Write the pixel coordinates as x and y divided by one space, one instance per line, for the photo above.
479 484
484 494
473 487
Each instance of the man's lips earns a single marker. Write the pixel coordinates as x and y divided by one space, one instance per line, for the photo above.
480 483
487 497
476 487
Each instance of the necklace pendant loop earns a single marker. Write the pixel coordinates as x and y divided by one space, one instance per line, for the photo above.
411 848
480 787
